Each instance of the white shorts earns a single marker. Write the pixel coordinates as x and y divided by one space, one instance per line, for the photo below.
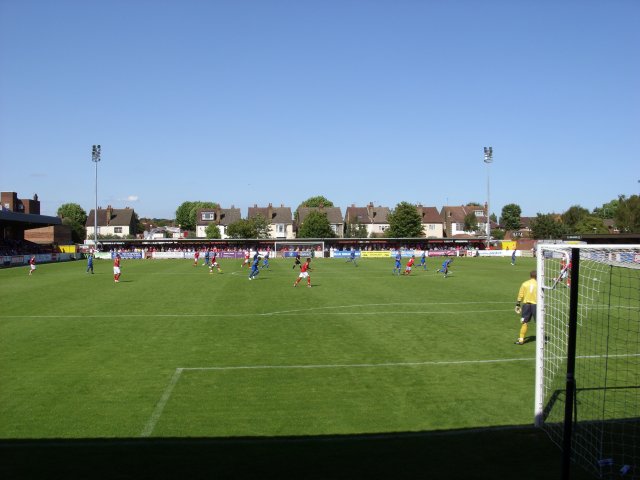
116 270
33 267
303 275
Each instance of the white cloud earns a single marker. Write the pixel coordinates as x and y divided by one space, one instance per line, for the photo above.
132 198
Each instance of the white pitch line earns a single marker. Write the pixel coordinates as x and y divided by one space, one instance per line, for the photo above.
151 424
305 311
268 314
359 365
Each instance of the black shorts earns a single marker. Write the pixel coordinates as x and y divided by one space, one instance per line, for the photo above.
528 312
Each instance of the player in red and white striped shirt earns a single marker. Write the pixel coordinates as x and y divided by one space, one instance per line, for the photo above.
116 268
304 273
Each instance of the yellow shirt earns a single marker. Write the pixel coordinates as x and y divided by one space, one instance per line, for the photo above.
528 291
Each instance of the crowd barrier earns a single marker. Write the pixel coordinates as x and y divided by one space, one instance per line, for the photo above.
18 260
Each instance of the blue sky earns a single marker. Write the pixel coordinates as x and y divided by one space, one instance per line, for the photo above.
245 102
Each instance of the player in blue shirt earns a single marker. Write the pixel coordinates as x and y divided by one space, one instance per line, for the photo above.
423 260
265 263
352 257
255 267
445 267
398 265
90 263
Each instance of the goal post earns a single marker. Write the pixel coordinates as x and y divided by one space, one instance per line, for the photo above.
587 388
287 249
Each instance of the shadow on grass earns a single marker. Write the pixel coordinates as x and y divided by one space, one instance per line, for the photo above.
522 453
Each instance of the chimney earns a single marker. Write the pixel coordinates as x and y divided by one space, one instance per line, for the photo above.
109 213
270 213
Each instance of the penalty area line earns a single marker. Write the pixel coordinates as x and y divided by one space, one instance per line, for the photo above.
155 416
166 394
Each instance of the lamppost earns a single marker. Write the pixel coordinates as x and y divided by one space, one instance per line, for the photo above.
95 158
488 159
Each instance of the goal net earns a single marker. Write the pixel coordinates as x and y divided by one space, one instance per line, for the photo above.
604 377
287 249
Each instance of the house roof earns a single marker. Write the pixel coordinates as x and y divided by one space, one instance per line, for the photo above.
525 222
368 214
457 213
334 214
119 217
429 214
223 216
272 214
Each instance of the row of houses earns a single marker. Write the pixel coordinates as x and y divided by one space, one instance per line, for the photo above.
283 222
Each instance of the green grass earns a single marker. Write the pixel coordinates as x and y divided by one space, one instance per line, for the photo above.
172 351
84 357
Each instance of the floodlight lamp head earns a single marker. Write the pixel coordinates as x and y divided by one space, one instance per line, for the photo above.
488 154
95 153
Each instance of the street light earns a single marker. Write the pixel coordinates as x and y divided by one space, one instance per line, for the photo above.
488 159
95 158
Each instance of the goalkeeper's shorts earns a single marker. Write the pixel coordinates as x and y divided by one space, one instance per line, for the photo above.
528 312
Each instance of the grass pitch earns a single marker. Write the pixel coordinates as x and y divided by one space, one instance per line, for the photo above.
173 351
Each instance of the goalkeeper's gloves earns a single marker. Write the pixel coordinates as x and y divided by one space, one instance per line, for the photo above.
518 309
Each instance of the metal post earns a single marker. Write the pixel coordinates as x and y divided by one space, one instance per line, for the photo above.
570 392
95 158
488 159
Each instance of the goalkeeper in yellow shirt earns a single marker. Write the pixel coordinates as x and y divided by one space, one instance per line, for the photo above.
526 304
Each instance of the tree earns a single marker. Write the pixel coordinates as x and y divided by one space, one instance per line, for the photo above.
212 231
608 210
316 225
260 226
497 234
240 229
256 227
317 201
139 225
355 229
187 211
546 226
590 224
404 222
75 217
510 218
470 222
627 216
573 216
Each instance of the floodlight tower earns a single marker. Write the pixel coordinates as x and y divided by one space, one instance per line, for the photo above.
95 158
488 159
